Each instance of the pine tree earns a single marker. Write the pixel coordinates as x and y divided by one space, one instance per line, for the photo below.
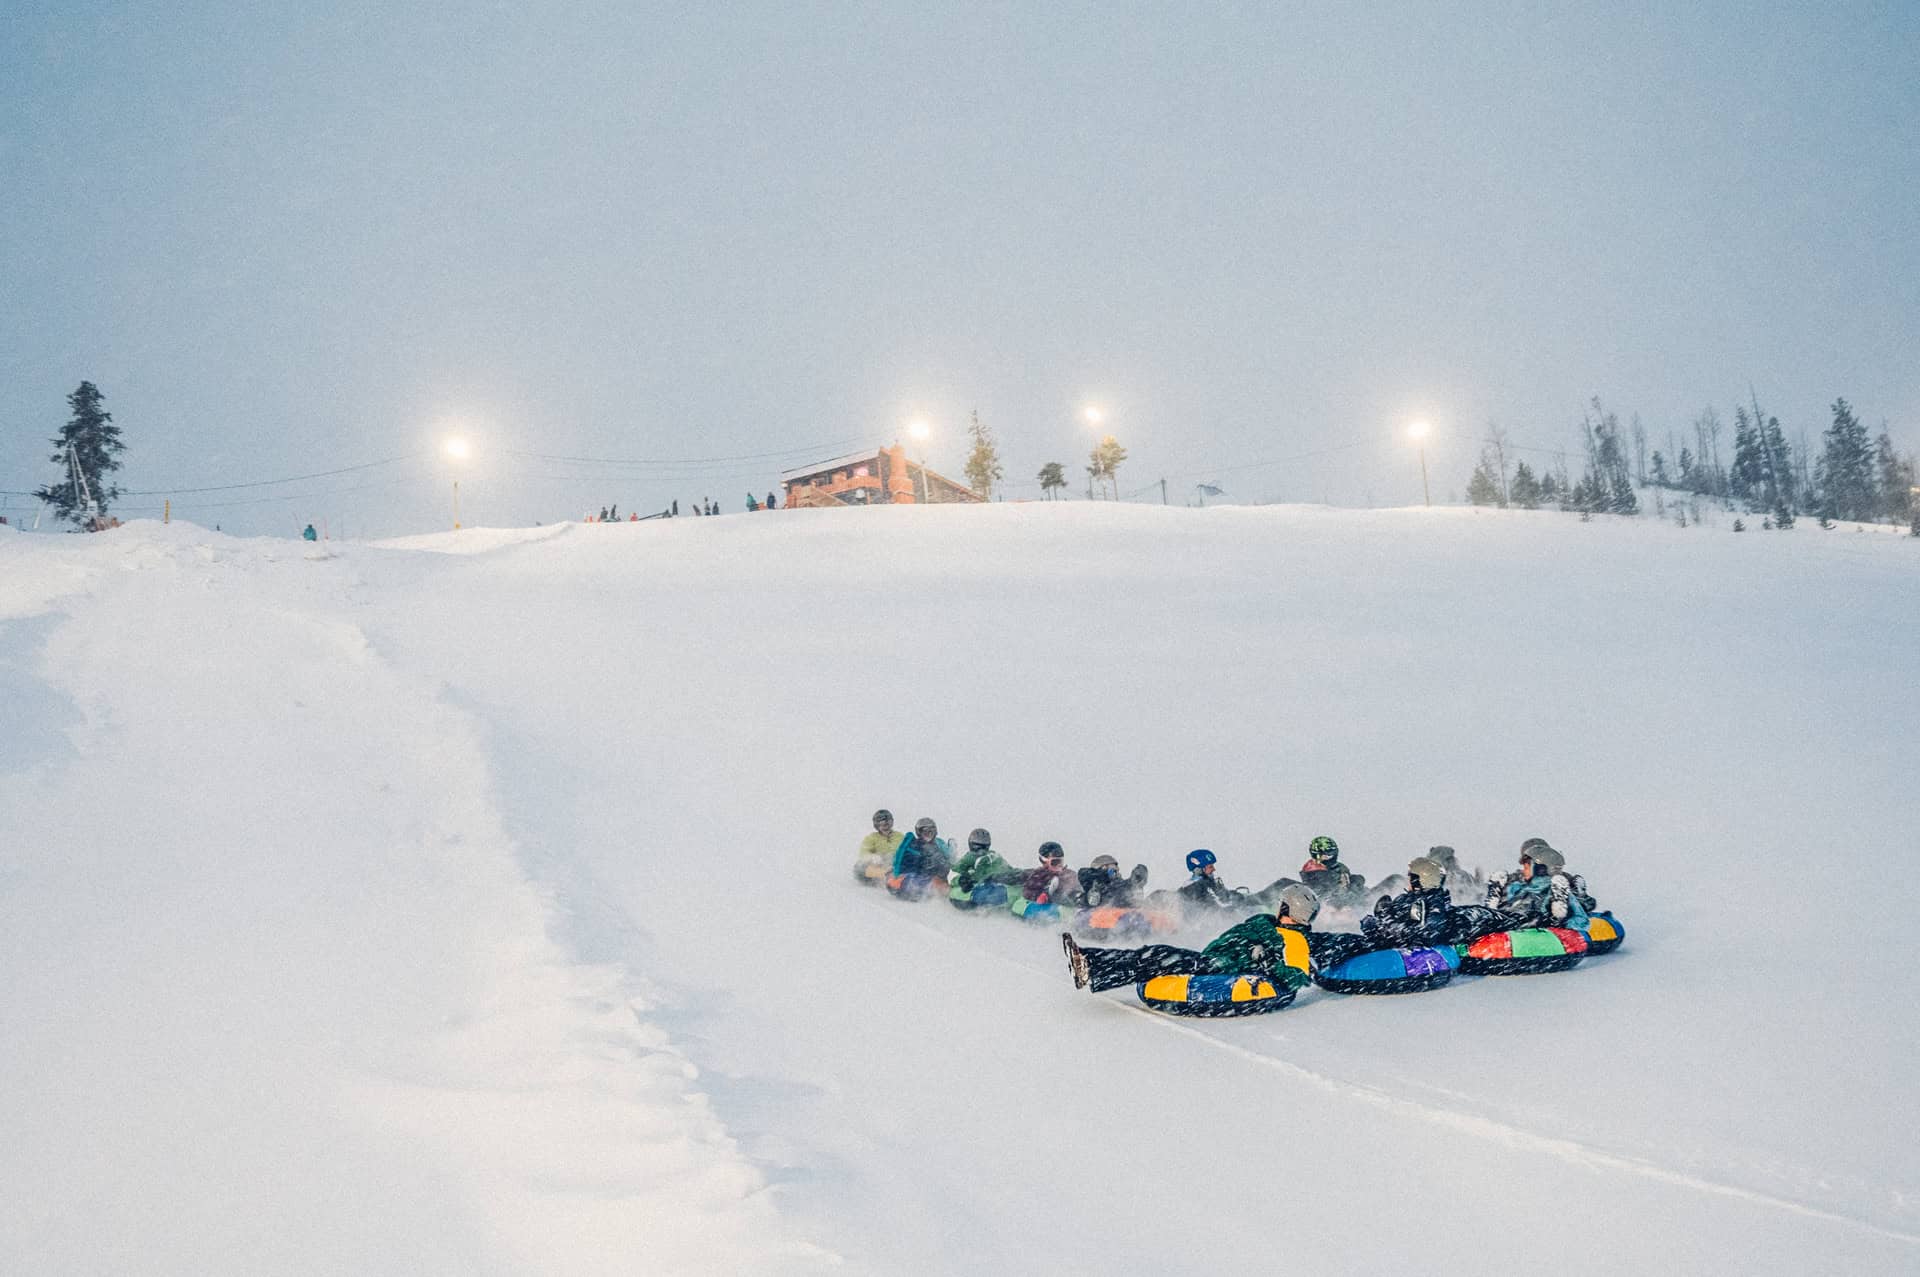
1658 472
91 442
1747 477
983 463
1482 488
1849 489
1896 480
1053 478
1779 462
1525 489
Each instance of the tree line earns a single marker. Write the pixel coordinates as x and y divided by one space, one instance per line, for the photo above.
1853 476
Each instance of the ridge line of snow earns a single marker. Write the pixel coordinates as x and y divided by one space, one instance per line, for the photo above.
1499 1132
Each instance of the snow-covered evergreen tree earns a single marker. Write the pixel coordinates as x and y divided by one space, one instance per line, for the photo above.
1849 488
91 442
983 463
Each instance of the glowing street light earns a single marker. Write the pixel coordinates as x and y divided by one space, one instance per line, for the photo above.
457 449
921 432
1094 416
1418 432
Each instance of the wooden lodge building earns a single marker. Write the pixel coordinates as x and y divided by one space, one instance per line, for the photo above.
881 477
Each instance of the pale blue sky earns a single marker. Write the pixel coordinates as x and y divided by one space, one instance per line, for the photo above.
285 241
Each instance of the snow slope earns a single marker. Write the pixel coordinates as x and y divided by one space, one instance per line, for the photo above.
479 902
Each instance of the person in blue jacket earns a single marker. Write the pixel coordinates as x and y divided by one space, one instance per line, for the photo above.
1541 894
309 534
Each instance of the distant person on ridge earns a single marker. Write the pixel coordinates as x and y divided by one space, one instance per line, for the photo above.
752 503
309 534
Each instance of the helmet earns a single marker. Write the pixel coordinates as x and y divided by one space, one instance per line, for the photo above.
883 814
1530 844
1546 857
1297 902
979 838
1325 850
1445 855
1107 863
1200 859
1049 850
925 825
1426 872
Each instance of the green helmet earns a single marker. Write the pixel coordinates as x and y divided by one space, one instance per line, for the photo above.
1325 850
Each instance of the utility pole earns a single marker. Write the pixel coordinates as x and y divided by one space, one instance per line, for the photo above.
1163 492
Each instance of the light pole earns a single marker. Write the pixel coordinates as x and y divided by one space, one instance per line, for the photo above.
1418 432
457 450
920 430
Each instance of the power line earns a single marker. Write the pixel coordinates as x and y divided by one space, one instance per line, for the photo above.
685 461
266 483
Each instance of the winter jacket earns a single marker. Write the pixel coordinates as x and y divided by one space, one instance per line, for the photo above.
1330 880
1110 891
881 846
1409 920
1261 944
915 857
1208 890
309 534
1533 901
1047 885
984 865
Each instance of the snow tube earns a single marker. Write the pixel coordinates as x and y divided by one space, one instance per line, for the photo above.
1213 995
1391 971
870 871
1033 910
986 895
910 886
1108 923
1529 951
1604 932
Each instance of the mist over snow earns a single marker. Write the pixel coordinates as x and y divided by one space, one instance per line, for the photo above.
479 902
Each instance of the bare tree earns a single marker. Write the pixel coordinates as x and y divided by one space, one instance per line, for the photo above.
1639 451
1497 445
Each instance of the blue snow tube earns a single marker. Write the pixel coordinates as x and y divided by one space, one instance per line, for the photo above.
1391 971
986 895
1032 910
1214 995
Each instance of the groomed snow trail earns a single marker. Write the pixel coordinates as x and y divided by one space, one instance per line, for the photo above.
486 897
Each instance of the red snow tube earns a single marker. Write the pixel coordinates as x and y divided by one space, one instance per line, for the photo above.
1529 951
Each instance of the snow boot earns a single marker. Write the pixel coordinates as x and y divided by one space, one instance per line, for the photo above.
1075 959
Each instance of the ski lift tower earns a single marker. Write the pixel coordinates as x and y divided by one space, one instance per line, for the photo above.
82 489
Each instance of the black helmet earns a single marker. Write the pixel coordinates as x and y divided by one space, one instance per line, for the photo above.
979 840
925 825
883 814
1052 850
1106 864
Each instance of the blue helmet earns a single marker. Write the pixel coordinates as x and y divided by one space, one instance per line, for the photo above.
1198 860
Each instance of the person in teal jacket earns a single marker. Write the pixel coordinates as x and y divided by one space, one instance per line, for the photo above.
1541 894
309 534
925 854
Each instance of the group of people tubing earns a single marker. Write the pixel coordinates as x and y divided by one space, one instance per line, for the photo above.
1541 892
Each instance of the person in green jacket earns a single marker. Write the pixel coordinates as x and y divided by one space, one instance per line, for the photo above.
1276 945
877 849
981 864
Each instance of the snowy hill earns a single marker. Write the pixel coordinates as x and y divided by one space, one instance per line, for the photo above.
479 902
